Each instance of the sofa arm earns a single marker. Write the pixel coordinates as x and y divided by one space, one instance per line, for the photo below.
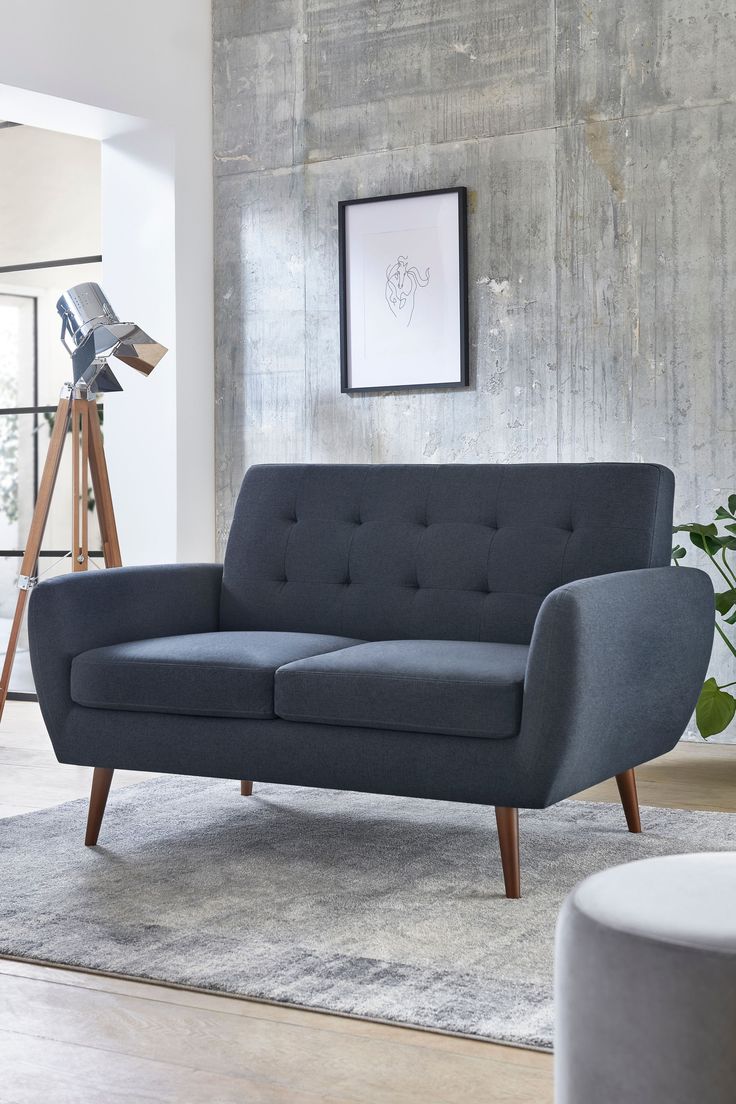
615 667
73 613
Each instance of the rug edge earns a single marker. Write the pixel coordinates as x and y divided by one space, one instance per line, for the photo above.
140 980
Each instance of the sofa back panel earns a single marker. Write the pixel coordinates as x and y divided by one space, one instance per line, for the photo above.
457 551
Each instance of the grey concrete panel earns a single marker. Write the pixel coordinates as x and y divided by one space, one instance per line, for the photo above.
259 316
647 261
391 75
325 79
627 57
232 18
258 113
285 227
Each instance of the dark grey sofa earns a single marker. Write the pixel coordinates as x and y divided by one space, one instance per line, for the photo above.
501 634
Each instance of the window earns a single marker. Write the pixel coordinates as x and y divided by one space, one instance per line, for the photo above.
33 367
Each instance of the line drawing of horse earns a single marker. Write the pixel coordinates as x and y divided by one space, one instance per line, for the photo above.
401 288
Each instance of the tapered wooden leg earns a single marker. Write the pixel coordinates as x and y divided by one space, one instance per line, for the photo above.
507 821
246 788
626 783
101 780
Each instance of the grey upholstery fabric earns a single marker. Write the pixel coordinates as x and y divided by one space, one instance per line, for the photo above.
532 770
460 688
615 664
71 614
645 984
220 674
457 551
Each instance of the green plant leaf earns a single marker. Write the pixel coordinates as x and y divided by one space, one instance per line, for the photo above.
705 542
710 530
725 601
678 552
732 503
715 709
731 619
722 512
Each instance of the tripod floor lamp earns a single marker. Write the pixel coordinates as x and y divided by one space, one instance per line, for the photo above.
96 335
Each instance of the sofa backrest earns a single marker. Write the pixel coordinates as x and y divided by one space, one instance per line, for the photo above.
450 551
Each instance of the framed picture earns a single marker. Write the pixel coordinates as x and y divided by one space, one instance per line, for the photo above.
404 291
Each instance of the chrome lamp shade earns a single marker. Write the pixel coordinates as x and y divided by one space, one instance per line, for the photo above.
97 334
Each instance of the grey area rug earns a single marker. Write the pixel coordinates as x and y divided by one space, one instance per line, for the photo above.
379 907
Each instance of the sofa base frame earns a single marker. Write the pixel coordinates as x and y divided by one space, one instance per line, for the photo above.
507 821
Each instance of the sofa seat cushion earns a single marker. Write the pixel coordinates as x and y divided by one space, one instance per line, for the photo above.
453 687
218 674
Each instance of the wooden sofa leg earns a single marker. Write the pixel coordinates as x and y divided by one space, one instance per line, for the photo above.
101 780
246 789
626 783
507 822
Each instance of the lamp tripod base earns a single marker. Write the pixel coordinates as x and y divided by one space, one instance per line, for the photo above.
77 409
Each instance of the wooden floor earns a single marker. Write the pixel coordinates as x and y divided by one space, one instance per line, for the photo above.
74 1038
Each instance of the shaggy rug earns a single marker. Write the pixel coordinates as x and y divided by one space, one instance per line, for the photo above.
379 907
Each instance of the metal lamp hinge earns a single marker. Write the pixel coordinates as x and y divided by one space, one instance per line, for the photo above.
27 582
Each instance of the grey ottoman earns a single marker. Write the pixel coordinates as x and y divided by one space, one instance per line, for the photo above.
645 984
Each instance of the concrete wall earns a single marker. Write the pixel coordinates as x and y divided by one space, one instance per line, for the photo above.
598 139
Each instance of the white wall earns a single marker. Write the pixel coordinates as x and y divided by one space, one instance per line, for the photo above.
137 75
49 197
49 209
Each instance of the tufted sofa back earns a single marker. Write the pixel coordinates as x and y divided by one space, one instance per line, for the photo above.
452 551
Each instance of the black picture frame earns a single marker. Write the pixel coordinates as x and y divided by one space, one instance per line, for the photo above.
463 363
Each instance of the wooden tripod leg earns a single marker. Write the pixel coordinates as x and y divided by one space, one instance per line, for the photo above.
246 789
626 783
101 780
83 559
101 488
507 821
35 535
80 487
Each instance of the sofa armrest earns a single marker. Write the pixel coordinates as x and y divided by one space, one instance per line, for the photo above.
615 667
73 613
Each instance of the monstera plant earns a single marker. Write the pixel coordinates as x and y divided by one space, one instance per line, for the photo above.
716 707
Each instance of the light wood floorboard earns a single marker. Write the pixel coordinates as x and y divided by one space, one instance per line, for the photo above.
78 1038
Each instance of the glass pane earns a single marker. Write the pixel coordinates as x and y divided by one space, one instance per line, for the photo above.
17 350
58 533
21 680
43 285
22 451
16 479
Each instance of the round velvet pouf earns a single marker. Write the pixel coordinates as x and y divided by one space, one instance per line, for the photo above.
645 984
